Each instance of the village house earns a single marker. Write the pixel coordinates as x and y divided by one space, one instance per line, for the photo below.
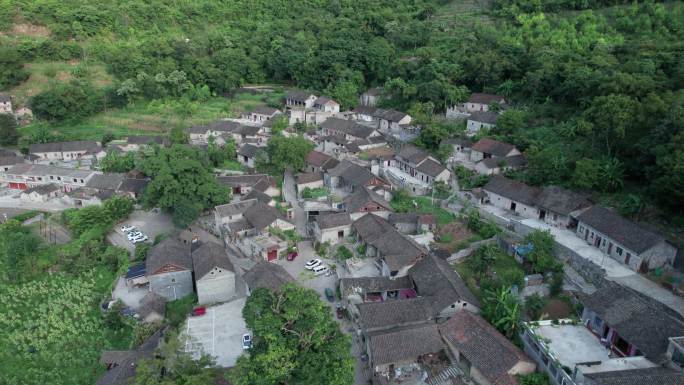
5 104
67 151
490 148
261 114
83 196
395 355
248 218
395 252
25 175
317 161
262 247
478 121
41 193
260 196
384 120
245 184
133 188
355 291
310 180
364 201
266 275
484 354
122 365
152 308
326 105
214 274
509 194
349 177
412 223
247 153
348 129
460 149
168 268
333 227
496 166
623 240
370 97
141 142
299 99
6 162
656 375
385 315
479 102
421 165
558 206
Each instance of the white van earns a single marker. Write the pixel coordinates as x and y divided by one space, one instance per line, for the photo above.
320 269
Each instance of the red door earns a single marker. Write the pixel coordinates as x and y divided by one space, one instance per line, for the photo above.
21 186
272 255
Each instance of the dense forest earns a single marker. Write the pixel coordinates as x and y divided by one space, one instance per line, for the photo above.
595 86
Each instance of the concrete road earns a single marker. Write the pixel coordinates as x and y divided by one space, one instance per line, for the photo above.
218 333
290 195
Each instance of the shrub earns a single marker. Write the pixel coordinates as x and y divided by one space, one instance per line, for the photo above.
344 253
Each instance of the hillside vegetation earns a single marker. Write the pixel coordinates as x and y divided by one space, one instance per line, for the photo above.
595 86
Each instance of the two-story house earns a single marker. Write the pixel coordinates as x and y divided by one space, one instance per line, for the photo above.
67 151
214 274
168 268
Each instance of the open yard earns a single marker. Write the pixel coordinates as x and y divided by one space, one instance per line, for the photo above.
422 205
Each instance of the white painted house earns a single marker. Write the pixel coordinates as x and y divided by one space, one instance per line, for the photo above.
214 274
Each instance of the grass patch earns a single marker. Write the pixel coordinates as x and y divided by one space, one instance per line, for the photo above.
177 311
315 193
490 267
232 164
403 203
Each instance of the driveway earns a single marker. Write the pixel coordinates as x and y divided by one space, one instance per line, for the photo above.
218 333
290 195
150 223
306 278
130 296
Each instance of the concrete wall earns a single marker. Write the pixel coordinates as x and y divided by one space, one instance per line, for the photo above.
505 203
473 127
330 235
172 286
608 246
216 287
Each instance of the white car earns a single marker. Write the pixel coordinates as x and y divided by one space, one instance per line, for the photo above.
312 264
127 228
321 269
133 234
141 238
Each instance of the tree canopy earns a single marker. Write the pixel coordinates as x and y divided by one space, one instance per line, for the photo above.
296 341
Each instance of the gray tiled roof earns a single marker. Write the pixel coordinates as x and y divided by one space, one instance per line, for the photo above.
317 158
639 320
404 344
484 98
209 256
11 160
136 186
484 347
513 161
42 189
561 201
620 229
267 275
234 208
147 139
397 250
259 196
431 168
394 313
298 95
309 177
512 189
4 98
83 145
105 181
168 251
152 303
244 180
329 221
494 147
412 154
265 110
357 176
487 117
248 150
223 125
437 279
646 376
348 127
261 215
375 284
357 200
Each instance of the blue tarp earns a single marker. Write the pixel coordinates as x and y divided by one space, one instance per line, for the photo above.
524 249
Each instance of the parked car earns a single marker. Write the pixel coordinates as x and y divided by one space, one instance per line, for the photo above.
140 239
127 228
329 294
246 341
133 234
312 264
199 311
320 270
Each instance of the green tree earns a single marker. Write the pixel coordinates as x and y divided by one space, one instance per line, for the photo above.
542 255
74 100
534 379
503 311
12 70
286 152
115 162
295 341
181 181
8 130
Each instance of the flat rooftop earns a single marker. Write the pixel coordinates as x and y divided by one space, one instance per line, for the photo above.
613 364
571 344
